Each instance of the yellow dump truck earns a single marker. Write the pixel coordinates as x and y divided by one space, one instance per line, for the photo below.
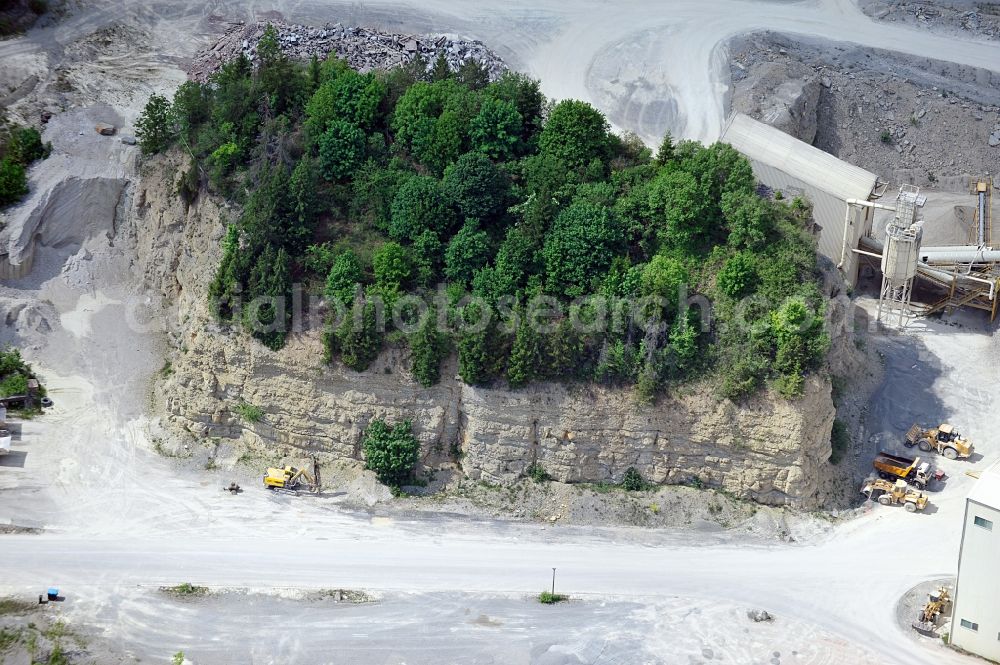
943 439
893 467
897 493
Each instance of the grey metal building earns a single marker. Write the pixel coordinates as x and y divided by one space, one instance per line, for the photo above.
795 168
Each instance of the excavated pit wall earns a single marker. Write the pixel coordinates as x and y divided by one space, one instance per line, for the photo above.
769 449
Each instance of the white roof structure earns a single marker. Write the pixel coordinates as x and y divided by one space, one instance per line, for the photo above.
795 168
765 144
986 491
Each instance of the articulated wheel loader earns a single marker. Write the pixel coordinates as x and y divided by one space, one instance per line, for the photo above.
938 603
942 439
897 493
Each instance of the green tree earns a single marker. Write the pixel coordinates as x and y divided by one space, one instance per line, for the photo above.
445 143
314 75
422 101
473 74
305 186
348 97
426 255
428 347
192 107
441 70
580 246
391 265
576 133
468 251
155 126
526 355
679 210
358 338
345 275
270 278
13 181
341 149
515 260
564 352
480 354
420 204
526 96
373 190
663 276
496 129
26 146
665 152
800 340
748 219
685 349
391 452
280 78
738 276
477 186
224 287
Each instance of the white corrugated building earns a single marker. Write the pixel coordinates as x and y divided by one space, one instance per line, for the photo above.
795 168
975 622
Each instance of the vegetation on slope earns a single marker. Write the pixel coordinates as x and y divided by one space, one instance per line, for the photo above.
19 147
588 258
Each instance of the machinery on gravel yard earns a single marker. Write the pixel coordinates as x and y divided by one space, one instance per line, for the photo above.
897 493
913 471
289 478
942 439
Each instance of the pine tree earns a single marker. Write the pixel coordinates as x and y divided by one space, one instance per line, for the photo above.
427 349
358 337
441 69
155 126
314 74
525 356
666 151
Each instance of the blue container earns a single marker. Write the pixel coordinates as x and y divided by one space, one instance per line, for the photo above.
53 593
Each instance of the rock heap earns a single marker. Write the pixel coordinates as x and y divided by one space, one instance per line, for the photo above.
363 48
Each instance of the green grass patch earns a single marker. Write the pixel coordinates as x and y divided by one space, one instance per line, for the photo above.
248 412
185 589
549 598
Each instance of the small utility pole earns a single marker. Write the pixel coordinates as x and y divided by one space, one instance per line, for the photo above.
553 580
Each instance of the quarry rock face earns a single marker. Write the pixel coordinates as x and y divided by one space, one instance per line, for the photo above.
785 96
768 449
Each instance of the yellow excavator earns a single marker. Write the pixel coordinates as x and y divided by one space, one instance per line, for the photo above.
289 479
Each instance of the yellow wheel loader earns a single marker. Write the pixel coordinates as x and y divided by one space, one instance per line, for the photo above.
943 439
897 493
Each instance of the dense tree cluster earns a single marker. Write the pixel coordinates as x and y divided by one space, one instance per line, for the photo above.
374 186
14 373
19 147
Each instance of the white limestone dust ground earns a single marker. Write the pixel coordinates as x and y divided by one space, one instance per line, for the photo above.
433 628
117 515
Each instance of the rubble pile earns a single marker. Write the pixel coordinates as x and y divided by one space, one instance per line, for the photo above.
363 48
908 121
980 19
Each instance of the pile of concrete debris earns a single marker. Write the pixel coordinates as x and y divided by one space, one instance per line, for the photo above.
363 48
955 16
